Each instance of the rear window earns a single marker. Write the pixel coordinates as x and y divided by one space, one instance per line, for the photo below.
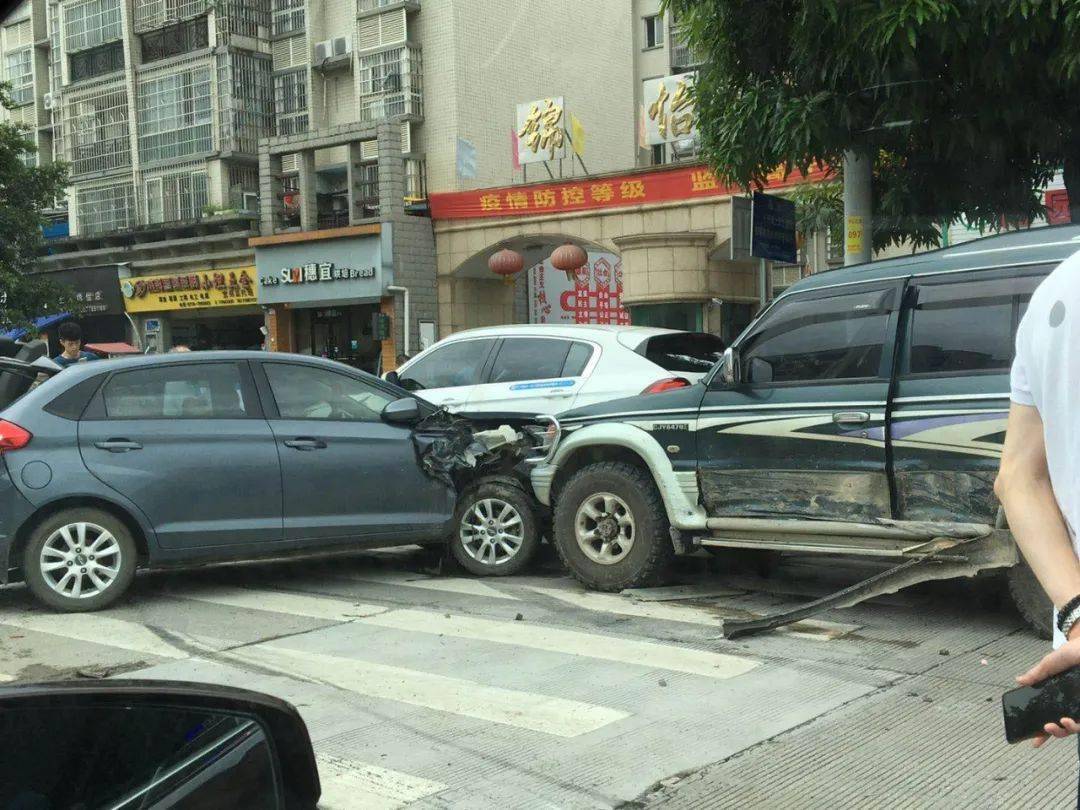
694 352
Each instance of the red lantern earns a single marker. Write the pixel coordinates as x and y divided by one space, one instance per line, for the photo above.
506 263
569 258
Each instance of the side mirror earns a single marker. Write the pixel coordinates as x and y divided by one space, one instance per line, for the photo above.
730 367
392 377
401 411
167 744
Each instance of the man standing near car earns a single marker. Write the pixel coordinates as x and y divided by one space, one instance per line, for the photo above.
70 336
1039 481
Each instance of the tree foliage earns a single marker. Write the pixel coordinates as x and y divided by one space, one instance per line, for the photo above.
24 192
968 107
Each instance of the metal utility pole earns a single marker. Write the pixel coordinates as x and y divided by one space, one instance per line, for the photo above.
858 207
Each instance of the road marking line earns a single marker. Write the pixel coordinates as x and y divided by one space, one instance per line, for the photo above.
97 629
570 642
347 784
508 707
5 677
621 605
469 587
315 607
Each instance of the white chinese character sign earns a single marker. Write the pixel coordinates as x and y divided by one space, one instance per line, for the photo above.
593 295
669 109
541 130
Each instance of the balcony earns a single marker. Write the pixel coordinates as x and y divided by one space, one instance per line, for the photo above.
391 84
364 7
682 56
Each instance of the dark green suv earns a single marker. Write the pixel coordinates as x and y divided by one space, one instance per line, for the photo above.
862 413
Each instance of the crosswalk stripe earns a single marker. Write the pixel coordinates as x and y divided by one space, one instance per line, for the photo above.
295 604
97 629
569 642
468 587
347 784
528 710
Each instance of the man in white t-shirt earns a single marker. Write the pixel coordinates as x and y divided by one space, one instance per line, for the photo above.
1039 481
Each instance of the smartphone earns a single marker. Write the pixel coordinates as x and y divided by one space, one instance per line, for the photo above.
1029 708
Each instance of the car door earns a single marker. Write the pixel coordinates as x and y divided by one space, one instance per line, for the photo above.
445 375
533 375
188 444
346 474
952 392
803 434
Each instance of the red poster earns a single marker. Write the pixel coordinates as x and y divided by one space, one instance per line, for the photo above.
639 188
593 295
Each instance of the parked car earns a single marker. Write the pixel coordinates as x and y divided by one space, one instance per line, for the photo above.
540 368
862 413
172 459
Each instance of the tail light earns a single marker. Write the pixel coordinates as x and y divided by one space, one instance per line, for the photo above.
667 384
13 437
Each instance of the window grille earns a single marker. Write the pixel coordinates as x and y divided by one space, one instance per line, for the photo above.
175 116
152 14
245 101
290 102
96 132
19 72
176 197
105 208
391 84
91 23
249 18
176 39
288 16
96 61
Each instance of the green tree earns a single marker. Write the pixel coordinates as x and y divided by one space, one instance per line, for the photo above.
24 192
967 107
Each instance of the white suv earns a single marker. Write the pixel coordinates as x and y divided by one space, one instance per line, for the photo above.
531 369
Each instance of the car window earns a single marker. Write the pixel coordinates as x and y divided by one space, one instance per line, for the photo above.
685 351
529 359
190 391
966 326
814 339
306 392
458 363
576 359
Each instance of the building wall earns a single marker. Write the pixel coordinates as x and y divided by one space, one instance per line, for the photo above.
483 57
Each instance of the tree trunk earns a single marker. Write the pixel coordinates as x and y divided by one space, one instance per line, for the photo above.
1071 175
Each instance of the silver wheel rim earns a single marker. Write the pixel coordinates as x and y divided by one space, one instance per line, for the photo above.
604 528
492 531
80 560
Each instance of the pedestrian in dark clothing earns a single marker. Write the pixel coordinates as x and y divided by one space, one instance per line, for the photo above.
70 336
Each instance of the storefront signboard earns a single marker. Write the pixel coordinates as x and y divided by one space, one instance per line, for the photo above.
97 289
197 290
593 295
618 191
541 130
346 269
669 109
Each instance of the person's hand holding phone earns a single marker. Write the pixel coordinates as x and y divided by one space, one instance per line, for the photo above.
1063 658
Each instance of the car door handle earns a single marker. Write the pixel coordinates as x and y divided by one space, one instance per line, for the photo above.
118 445
305 443
851 417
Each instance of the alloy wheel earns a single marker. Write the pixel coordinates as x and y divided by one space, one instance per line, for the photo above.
492 532
80 560
604 528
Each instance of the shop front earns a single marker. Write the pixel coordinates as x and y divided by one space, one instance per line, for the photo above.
325 297
202 309
96 291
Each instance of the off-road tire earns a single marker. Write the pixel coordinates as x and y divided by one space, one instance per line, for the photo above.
1031 601
35 580
649 560
516 497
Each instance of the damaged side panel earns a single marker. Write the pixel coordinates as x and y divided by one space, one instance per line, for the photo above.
456 450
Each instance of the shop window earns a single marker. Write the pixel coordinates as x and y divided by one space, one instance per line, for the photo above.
175 39
202 391
304 392
175 115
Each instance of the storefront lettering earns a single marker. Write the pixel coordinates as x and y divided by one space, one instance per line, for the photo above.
315 272
543 129
233 285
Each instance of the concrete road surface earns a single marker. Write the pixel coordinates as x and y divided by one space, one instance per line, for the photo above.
443 691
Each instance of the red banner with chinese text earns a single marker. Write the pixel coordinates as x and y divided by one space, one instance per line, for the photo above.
638 188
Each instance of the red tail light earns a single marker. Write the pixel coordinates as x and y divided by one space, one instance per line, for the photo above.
13 437
667 384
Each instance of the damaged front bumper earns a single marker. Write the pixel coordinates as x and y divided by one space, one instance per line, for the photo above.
455 449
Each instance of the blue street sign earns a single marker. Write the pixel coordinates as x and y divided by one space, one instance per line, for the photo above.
772 230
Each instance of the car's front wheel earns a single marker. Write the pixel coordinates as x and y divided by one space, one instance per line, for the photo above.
496 532
79 559
611 528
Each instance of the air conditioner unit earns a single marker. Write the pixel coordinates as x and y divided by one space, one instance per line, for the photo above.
323 50
51 101
342 46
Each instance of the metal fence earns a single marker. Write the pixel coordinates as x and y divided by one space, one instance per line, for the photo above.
105 208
